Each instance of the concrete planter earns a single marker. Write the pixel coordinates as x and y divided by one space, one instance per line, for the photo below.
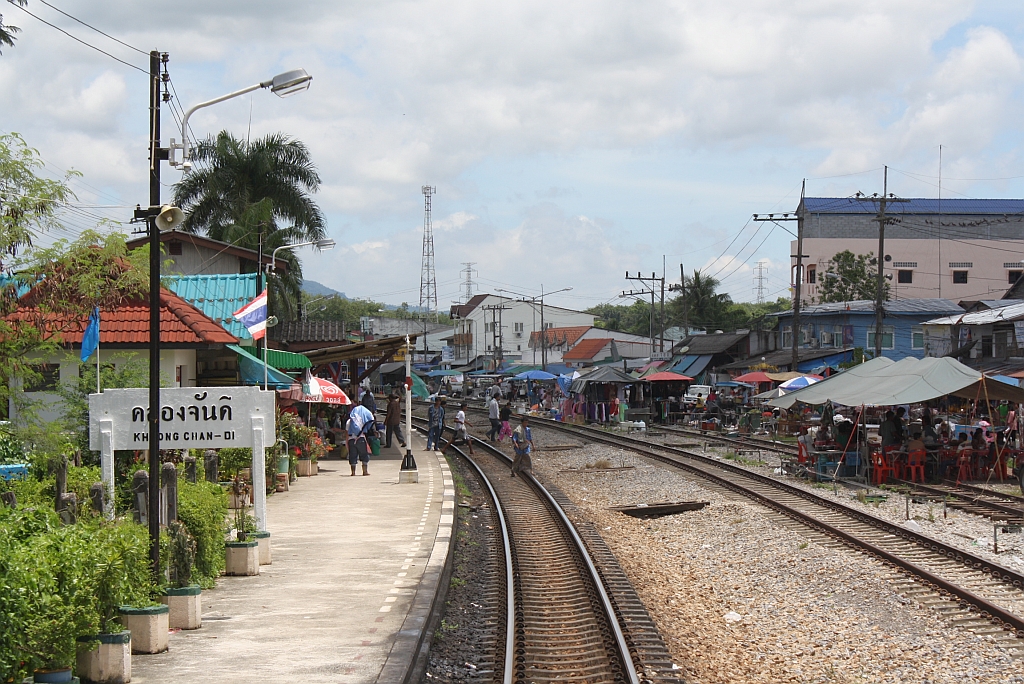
306 467
105 658
242 558
263 539
148 626
184 606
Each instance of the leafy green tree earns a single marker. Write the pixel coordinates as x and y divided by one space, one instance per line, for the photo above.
351 310
253 193
850 277
7 31
632 318
128 371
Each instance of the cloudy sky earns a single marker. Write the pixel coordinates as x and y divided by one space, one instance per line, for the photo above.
569 142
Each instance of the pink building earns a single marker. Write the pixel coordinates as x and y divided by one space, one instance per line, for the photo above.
953 249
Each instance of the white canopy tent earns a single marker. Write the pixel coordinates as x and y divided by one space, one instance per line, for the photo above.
882 382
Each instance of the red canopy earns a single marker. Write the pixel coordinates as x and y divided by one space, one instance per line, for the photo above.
666 376
756 376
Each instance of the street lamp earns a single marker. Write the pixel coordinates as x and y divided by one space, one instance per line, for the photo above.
282 85
543 335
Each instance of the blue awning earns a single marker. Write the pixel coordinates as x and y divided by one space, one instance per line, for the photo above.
694 365
250 369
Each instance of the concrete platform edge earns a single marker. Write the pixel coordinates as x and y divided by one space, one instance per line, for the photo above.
407 661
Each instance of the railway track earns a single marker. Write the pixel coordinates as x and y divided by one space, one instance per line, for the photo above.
976 500
968 589
745 443
561 623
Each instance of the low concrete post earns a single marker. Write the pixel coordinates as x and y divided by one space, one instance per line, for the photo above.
97 493
190 469
68 508
211 464
61 483
140 496
168 493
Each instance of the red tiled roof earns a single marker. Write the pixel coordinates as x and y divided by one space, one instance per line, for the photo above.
180 323
586 350
567 335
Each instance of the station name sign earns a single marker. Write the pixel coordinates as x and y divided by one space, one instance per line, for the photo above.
190 417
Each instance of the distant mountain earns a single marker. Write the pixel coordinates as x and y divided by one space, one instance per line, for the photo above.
316 289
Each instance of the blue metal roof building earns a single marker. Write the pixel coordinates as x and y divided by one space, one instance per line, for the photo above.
218 296
914 205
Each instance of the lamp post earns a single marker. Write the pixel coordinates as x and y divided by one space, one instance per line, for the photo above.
320 245
159 218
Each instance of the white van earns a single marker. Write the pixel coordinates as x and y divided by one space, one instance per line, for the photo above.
693 390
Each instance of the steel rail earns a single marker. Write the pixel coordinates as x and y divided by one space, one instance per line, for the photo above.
748 442
594 576
963 497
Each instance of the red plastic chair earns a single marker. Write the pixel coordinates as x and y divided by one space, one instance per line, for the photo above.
964 466
881 470
915 466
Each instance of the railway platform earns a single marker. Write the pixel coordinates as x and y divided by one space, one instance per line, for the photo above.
357 562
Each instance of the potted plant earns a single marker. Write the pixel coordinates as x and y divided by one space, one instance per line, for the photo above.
50 639
183 598
242 555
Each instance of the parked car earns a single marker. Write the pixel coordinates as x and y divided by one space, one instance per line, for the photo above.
693 390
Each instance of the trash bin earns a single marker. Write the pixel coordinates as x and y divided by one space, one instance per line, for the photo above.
283 463
375 446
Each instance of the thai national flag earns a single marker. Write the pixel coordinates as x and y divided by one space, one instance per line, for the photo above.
254 316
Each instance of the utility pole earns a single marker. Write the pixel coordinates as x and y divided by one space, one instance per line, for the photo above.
647 284
156 155
497 339
661 321
468 284
881 219
681 288
798 279
428 282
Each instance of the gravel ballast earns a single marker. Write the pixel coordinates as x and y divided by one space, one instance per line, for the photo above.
740 598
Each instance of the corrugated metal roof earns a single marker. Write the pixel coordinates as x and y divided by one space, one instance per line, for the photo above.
218 296
715 343
899 306
914 205
309 331
585 350
1014 312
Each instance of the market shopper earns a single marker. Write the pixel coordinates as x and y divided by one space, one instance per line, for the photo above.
393 420
493 414
361 425
522 444
890 431
435 423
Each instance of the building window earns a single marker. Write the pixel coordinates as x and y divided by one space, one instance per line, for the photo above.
787 336
46 380
917 338
826 338
812 275
519 327
887 337
174 247
904 264
961 264
488 327
519 347
1013 276
959 277
904 277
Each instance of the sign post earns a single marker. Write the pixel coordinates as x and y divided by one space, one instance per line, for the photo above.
190 418
408 472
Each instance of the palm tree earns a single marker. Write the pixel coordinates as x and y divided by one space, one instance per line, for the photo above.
7 32
254 194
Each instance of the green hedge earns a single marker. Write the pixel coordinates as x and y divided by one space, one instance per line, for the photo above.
61 582
203 508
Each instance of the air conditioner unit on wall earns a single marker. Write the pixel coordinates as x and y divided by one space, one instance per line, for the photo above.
826 339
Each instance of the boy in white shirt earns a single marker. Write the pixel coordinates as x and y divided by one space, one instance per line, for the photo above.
461 433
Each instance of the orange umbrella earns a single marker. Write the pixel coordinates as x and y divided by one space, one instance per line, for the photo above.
666 376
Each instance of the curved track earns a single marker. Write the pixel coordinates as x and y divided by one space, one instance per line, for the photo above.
561 623
978 590
747 442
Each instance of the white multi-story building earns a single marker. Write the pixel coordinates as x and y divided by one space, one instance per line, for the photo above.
956 249
492 326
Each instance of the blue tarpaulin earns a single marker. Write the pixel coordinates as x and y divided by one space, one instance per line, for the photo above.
251 370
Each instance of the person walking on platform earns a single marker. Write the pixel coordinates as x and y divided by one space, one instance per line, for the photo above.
493 412
435 423
361 423
522 444
393 421
368 400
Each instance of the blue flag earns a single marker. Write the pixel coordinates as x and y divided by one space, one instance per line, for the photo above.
91 337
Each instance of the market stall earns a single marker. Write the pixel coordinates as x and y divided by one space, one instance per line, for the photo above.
667 391
603 394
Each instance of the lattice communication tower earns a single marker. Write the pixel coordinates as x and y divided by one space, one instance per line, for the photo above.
428 282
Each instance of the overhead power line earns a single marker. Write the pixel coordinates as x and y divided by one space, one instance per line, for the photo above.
116 40
79 40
